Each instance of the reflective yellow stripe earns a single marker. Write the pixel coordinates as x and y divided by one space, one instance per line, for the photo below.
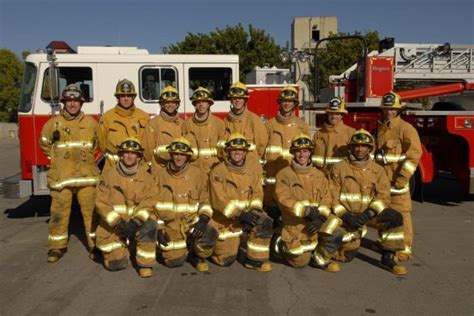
270 180
160 222
45 140
160 149
331 224
72 145
406 251
333 160
177 208
221 144
227 234
207 152
111 246
318 160
74 182
91 235
256 203
350 236
301 249
122 209
146 254
286 154
355 197
277 245
339 210
272 149
111 218
409 167
299 208
377 205
142 214
319 260
403 190
324 210
57 237
252 147
392 236
235 205
206 209
389 158
112 157
173 245
257 248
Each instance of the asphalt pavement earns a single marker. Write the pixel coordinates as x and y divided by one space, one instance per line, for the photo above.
439 282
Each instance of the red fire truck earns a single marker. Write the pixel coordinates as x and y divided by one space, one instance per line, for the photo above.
96 70
439 75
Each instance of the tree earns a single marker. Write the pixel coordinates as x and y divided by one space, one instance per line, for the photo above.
339 55
11 73
254 46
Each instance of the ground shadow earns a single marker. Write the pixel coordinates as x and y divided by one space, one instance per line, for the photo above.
445 190
34 206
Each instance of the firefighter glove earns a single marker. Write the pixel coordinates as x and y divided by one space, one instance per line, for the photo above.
200 227
163 237
389 218
311 213
130 229
313 226
365 216
248 220
120 228
400 182
351 220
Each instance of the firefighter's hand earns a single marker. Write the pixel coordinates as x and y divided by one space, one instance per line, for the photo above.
248 220
311 213
163 237
364 217
56 136
351 220
200 227
313 226
120 227
389 219
400 182
130 229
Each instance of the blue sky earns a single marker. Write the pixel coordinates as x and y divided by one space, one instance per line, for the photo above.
32 24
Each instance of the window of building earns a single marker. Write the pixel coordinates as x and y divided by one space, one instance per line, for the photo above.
152 80
216 80
81 76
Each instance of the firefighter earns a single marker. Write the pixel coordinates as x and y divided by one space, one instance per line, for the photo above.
236 195
241 120
302 194
361 192
281 130
204 130
123 121
184 210
69 140
398 151
332 139
162 129
125 201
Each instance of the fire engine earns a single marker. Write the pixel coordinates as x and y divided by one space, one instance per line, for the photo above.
96 70
441 75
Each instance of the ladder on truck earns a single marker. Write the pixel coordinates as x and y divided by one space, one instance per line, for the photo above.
433 62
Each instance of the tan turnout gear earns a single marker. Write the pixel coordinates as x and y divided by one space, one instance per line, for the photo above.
160 131
126 196
297 188
281 130
234 190
357 186
204 136
70 143
118 124
182 196
398 150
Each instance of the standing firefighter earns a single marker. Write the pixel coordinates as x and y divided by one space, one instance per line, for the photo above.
183 209
236 196
361 192
241 120
69 140
302 193
281 130
398 151
125 120
162 129
125 200
332 139
204 130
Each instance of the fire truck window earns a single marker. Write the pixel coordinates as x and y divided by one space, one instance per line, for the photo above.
216 80
155 79
27 88
81 76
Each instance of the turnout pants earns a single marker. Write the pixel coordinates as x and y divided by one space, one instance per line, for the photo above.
61 211
403 204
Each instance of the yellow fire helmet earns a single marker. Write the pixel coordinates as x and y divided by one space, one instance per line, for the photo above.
362 137
72 92
130 145
288 93
301 141
202 94
125 87
391 100
237 141
238 90
180 146
336 105
169 93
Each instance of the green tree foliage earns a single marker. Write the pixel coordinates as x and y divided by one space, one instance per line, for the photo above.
11 73
339 55
254 46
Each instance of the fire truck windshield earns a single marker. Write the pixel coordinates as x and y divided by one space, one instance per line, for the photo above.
27 88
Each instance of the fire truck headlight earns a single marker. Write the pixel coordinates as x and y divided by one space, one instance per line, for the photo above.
467 123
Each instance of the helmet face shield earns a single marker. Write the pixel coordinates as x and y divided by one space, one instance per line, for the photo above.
301 141
130 145
362 137
237 93
288 95
72 92
169 96
180 148
237 143
200 95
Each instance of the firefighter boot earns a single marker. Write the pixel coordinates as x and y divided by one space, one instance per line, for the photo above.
145 272
55 254
332 267
389 264
258 265
199 264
